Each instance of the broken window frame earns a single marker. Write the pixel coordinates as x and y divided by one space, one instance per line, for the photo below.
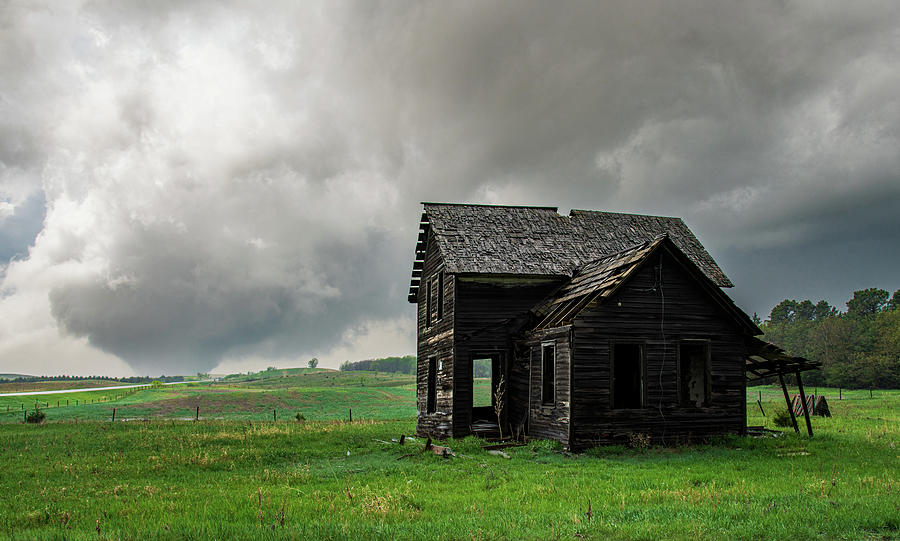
548 385
707 372
440 295
642 373
431 386
429 301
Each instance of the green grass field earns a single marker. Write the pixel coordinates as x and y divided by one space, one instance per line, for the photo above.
25 386
317 394
245 476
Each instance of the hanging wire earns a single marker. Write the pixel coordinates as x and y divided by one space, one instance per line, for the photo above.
662 332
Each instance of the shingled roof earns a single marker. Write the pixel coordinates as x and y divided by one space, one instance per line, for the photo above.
537 241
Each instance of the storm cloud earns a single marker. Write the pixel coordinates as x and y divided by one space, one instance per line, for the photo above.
190 185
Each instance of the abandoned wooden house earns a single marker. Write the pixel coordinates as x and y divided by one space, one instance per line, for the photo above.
591 327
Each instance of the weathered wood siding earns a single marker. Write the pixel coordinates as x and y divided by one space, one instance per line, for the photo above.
550 421
435 341
488 314
658 318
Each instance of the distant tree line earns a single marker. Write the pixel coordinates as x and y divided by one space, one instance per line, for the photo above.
399 365
859 348
130 379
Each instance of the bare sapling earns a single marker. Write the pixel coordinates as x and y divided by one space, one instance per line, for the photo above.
499 398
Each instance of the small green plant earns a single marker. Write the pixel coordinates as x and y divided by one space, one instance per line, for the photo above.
782 418
639 440
35 417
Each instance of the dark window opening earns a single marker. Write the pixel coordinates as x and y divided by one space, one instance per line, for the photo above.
548 373
483 381
694 363
431 397
440 296
428 302
627 376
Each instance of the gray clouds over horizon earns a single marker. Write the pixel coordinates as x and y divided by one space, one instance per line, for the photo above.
224 185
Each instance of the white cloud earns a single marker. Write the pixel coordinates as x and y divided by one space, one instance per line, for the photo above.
226 184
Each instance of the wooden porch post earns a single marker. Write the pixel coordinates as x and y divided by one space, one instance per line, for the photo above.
787 400
803 401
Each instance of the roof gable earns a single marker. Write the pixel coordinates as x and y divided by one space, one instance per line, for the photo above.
599 280
537 241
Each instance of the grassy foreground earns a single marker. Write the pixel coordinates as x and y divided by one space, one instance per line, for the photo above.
332 479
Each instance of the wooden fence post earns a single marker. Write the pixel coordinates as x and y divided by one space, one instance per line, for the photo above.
114 415
274 416
197 416
840 393
351 415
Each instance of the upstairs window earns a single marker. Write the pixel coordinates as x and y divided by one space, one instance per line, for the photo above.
548 373
428 302
440 296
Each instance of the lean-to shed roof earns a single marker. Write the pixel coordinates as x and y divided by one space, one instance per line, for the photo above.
537 241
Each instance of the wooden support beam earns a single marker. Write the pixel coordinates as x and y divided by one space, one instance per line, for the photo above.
803 401
787 400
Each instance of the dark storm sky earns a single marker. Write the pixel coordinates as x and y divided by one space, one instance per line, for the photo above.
185 186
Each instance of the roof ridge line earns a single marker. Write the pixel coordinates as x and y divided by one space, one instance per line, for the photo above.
588 211
554 209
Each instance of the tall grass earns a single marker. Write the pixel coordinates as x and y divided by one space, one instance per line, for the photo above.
339 480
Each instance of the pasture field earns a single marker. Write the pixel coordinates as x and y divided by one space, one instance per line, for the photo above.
318 394
238 478
26 386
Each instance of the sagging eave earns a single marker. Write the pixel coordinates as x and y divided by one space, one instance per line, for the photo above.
415 281
765 360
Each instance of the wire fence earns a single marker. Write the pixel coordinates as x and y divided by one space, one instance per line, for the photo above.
115 413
